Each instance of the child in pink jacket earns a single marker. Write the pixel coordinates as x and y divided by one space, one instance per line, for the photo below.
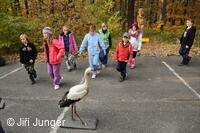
67 39
53 53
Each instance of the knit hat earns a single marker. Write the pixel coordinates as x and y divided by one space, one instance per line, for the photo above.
47 30
126 34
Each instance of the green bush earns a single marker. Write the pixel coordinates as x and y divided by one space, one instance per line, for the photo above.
10 29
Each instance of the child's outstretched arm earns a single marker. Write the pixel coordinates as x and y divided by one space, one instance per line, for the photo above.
74 43
83 44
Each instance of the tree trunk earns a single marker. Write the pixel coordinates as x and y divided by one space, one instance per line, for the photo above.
155 12
184 12
151 12
131 7
26 7
52 7
16 7
40 3
123 13
173 21
163 10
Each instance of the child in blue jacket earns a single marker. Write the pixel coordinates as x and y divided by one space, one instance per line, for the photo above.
93 42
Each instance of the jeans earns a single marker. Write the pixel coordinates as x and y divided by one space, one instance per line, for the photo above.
184 52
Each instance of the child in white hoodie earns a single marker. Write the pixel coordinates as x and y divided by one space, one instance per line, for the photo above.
136 41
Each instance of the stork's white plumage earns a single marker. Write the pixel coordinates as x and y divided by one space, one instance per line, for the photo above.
77 92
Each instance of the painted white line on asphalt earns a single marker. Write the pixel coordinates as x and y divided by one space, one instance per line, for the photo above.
60 117
17 69
181 79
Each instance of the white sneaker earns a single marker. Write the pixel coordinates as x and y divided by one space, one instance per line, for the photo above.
103 66
98 71
61 79
56 87
67 65
94 75
66 62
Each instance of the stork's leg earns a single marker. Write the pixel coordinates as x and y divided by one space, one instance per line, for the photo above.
72 109
78 115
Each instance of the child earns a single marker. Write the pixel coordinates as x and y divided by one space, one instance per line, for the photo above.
136 41
28 54
67 39
93 41
123 54
53 53
106 37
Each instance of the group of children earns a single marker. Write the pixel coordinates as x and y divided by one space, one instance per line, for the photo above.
95 42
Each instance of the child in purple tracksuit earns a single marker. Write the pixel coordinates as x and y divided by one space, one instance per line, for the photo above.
53 53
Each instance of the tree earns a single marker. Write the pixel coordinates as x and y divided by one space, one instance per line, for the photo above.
131 7
10 26
163 10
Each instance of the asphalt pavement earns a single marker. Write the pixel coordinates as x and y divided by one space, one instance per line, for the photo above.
158 97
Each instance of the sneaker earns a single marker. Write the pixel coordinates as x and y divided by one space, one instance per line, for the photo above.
68 66
66 62
126 76
75 67
56 87
181 64
69 70
103 66
98 71
94 75
32 79
35 75
61 79
121 79
132 66
33 82
189 58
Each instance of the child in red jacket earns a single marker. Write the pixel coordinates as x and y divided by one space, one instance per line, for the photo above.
123 54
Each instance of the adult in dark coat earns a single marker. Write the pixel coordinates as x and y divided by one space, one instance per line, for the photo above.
186 41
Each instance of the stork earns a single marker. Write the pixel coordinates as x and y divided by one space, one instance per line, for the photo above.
75 94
